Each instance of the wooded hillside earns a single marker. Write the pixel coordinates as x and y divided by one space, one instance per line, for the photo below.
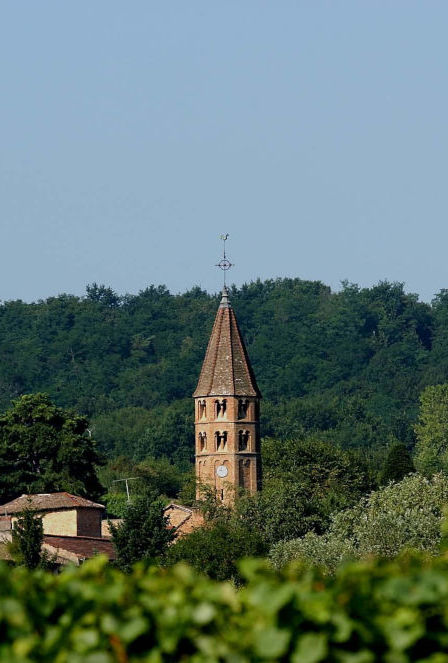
348 365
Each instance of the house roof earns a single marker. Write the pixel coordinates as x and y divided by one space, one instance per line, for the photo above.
226 370
48 502
183 519
81 547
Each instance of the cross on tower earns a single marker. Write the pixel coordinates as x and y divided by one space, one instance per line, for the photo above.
224 263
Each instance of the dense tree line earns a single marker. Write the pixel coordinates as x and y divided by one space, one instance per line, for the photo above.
348 365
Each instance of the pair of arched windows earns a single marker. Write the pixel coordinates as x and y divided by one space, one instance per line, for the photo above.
220 408
221 440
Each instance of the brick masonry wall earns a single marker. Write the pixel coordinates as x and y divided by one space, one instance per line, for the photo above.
89 522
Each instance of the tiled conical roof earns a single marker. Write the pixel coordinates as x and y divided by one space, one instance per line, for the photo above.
226 370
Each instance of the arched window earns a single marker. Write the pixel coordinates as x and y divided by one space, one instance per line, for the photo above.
202 441
224 440
243 406
202 409
243 440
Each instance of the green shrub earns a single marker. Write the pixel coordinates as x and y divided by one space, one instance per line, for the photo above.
369 611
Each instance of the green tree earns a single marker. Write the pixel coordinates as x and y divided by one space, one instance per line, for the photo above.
144 533
27 539
398 464
44 448
170 433
408 514
305 480
283 510
431 449
217 548
334 476
156 475
118 432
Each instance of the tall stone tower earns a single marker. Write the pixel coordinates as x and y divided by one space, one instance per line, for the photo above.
227 412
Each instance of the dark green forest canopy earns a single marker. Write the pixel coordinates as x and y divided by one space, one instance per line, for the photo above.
348 365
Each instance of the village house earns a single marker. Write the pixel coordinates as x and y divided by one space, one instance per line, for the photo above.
72 525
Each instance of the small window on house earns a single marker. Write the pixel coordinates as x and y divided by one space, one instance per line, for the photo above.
243 406
243 440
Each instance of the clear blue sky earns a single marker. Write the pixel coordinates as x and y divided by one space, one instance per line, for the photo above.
134 133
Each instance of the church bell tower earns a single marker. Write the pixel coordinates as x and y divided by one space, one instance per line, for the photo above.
227 429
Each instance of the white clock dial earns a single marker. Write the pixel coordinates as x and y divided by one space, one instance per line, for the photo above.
222 471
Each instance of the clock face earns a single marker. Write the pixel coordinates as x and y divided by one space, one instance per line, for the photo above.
222 471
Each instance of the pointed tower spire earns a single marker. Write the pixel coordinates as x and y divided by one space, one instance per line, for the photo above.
226 370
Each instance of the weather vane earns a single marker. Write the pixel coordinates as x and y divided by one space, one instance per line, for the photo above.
224 263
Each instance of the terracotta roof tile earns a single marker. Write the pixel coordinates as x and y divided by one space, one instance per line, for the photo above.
47 502
226 370
82 547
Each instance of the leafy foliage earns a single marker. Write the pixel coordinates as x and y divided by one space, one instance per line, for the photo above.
398 464
371 611
144 533
217 548
348 365
305 481
431 452
44 448
403 515
152 475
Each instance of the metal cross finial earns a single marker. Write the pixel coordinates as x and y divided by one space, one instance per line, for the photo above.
224 263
